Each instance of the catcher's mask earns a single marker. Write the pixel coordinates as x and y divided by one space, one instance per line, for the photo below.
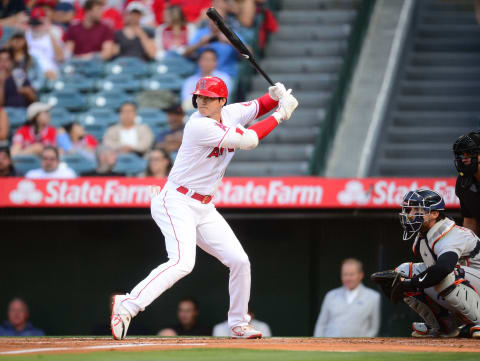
415 206
467 147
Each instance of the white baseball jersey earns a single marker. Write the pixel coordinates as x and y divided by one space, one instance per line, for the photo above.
202 160
445 236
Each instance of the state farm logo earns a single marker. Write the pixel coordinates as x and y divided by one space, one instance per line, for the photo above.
26 193
354 193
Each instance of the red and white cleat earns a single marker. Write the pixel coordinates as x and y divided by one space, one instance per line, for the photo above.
120 319
247 332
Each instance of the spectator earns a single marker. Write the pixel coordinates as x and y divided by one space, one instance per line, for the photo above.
176 118
22 59
174 35
207 66
134 40
17 324
13 13
48 7
352 310
127 136
106 160
211 37
44 44
90 37
4 127
72 139
51 167
6 165
36 133
111 14
63 15
187 314
159 164
241 18
15 88
223 330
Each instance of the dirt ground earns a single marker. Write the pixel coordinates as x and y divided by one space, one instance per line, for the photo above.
12 346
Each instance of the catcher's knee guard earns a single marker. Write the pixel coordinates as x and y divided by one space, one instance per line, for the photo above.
462 298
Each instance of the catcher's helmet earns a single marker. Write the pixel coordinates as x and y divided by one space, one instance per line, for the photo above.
467 146
210 86
422 201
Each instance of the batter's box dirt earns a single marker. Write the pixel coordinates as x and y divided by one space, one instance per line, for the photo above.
35 345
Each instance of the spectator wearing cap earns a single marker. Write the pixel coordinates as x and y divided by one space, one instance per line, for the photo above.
51 166
13 13
48 7
15 88
111 13
173 36
63 15
36 133
47 47
6 165
127 136
17 323
72 139
134 40
90 37
159 164
22 59
4 127
207 66
106 160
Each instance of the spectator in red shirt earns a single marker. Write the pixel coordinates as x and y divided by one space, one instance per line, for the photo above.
15 88
37 132
90 37
111 16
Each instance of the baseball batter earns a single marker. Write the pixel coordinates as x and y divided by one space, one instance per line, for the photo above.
442 289
183 209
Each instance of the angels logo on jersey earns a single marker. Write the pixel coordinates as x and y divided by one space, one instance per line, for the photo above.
216 152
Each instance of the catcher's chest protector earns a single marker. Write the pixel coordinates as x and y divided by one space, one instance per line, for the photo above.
427 254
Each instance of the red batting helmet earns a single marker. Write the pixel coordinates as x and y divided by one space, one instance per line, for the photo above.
210 86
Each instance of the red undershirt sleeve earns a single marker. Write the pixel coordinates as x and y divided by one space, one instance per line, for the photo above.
265 104
264 127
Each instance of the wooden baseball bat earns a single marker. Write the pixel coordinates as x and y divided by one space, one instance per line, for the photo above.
213 14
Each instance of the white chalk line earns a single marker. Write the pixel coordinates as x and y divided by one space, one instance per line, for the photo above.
97 347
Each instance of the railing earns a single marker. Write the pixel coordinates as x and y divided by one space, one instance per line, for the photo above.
335 108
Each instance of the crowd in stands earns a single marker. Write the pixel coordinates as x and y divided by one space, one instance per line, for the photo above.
62 61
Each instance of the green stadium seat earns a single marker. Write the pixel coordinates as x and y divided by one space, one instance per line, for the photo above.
152 117
128 65
16 116
76 82
171 82
79 163
60 117
96 129
178 66
111 99
70 99
122 82
103 116
92 68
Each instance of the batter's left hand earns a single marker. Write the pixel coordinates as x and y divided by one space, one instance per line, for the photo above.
277 91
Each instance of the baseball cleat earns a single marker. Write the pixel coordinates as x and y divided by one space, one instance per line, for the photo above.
247 332
120 319
421 330
475 331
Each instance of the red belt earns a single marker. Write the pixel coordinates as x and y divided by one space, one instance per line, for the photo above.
197 196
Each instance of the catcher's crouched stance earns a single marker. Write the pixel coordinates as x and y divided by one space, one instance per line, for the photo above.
442 289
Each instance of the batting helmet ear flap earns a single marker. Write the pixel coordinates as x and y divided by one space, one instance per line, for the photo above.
194 101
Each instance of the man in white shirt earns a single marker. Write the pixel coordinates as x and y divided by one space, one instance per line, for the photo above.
51 167
352 310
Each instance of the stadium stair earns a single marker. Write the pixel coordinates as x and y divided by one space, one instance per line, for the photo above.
436 92
305 54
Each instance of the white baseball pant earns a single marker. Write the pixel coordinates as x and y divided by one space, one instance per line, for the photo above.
185 223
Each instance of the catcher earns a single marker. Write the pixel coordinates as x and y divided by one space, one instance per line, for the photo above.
442 289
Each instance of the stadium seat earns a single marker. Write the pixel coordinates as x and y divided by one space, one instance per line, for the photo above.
7 32
92 68
16 116
76 82
130 164
70 99
24 163
79 163
123 82
60 117
163 82
111 99
178 66
151 116
103 116
96 129
128 65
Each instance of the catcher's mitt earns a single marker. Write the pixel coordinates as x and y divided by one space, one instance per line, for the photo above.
385 280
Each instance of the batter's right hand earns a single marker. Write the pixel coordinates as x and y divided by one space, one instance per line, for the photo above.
287 104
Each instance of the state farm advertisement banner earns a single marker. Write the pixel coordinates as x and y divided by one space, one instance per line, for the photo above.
287 192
